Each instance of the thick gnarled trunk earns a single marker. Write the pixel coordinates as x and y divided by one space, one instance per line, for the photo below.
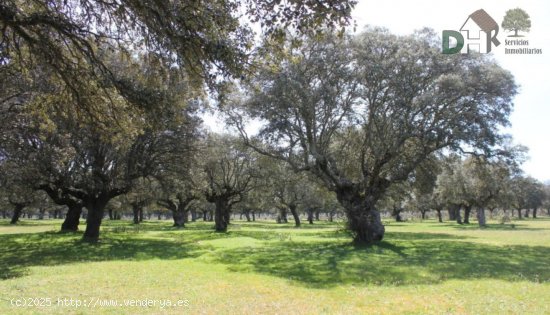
179 218
366 225
96 208
363 219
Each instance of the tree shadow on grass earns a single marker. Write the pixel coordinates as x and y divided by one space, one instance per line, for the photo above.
514 226
397 262
20 251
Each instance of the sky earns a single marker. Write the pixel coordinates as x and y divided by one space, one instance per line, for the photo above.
531 116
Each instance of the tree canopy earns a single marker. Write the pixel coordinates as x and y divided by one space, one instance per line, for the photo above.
363 112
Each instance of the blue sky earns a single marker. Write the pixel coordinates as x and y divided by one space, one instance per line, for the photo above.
531 116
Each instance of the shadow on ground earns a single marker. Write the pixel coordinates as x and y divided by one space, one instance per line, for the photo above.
322 258
20 251
422 258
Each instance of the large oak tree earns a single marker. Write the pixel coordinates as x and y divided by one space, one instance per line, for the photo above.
363 112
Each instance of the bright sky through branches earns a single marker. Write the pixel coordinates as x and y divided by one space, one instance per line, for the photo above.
532 72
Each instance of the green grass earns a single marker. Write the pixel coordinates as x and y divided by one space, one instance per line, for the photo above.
267 268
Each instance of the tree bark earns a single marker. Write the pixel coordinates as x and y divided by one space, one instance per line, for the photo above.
193 214
96 208
221 214
527 211
439 216
317 211
254 216
136 209
295 215
534 213
366 225
72 219
481 217
178 217
17 210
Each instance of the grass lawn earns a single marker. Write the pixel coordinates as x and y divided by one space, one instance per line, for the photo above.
267 268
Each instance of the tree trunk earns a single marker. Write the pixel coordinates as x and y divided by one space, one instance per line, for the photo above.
491 213
534 213
439 216
111 217
135 210
317 214
72 219
4 214
178 217
18 208
141 215
96 208
295 215
467 211
363 219
527 211
331 216
396 212
254 216
455 211
193 215
247 215
310 216
41 213
221 215
481 217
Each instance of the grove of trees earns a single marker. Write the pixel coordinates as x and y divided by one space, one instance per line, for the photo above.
101 103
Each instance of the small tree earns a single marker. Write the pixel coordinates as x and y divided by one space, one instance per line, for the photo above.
516 20
230 175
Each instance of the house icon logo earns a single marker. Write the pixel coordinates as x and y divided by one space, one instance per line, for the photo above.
478 33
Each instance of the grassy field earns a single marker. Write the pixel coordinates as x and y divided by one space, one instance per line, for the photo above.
268 268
